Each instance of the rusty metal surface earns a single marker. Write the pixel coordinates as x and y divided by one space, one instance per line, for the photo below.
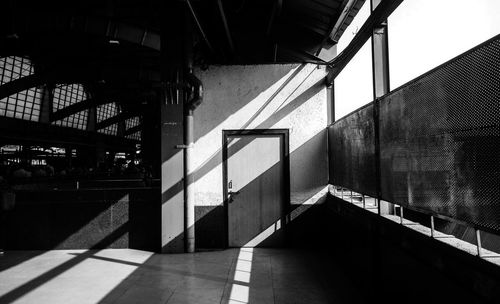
352 151
439 142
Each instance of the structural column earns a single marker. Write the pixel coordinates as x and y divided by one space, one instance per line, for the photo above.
172 176
330 103
189 215
172 130
380 62
189 201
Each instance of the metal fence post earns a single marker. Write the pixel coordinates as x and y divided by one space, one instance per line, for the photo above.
432 226
401 216
478 243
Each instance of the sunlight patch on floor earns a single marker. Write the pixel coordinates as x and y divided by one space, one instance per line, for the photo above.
64 285
242 274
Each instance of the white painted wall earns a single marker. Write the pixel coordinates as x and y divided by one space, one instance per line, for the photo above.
289 96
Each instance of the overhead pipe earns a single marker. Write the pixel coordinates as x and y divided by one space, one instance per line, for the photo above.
196 93
194 100
377 17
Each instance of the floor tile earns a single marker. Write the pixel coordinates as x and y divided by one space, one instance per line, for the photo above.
229 276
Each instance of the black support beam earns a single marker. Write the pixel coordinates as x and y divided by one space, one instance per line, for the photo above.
378 16
22 131
77 107
133 130
341 12
115 119
226 26
21 84
276 12
200 27
301 55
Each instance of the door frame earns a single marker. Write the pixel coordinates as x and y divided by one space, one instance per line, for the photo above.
285 208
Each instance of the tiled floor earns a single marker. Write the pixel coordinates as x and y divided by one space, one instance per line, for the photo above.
130 276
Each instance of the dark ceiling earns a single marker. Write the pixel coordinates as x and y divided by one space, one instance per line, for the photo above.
113 46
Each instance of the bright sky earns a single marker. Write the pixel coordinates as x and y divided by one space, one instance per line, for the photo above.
422 35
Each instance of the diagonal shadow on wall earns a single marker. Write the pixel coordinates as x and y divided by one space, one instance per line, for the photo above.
217 97
216 159
308 179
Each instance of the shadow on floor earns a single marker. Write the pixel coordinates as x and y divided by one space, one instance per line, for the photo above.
244 275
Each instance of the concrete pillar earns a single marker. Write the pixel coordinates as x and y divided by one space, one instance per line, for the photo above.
172 178
150 138
172 130
189 214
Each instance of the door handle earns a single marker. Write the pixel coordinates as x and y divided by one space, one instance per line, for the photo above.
230 195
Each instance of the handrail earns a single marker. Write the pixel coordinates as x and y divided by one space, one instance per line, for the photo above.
452 89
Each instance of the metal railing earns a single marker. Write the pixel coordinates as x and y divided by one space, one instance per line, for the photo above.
431 145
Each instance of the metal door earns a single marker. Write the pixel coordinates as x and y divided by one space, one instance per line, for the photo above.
255 188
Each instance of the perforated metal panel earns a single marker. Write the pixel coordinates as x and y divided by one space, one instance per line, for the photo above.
352 151
440 140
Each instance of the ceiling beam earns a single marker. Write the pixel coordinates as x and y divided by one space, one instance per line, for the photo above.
226 26
337 21
198 24
276 12
322 5
316 32
378 16
91 25
351 9
123 31
302 55
115 119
